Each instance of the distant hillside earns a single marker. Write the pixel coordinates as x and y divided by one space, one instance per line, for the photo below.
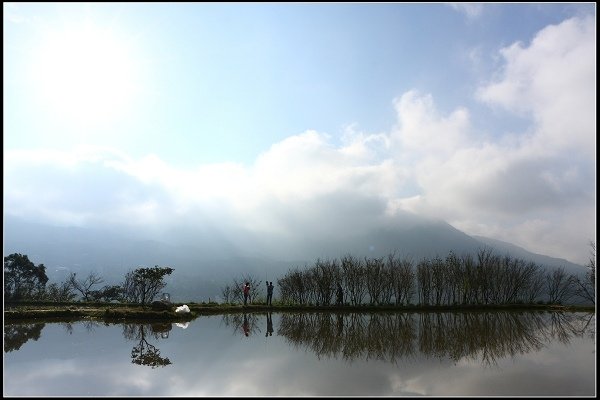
206 262
519 252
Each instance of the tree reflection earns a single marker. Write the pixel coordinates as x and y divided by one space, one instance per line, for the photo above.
484 336
16 335
244 324
145 353
89 325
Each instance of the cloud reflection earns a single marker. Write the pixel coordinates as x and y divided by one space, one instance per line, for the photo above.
316 354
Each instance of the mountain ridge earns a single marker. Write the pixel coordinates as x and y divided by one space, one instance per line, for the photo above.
72 249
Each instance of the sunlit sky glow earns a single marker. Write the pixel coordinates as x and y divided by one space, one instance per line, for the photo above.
145 115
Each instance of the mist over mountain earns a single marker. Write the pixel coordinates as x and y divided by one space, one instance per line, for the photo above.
502 248
205 263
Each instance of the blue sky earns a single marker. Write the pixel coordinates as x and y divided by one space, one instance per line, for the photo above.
480 114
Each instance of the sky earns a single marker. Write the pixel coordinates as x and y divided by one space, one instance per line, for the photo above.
250 117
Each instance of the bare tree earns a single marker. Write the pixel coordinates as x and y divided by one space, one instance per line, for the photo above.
387 284
455 275
374 275
586 287
470 291
406 281
354 278
487 261
85 286
559 286
291 287
60 292
226 293
439 280
324 276
237 292
535 285
424 281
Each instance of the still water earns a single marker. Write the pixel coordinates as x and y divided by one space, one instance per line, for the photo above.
308 354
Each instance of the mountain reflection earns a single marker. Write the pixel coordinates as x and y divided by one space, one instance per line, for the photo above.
488 336
145 353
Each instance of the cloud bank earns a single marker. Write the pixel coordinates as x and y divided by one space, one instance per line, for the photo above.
534 188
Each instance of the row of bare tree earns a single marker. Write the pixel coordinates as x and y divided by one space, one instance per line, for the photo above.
485 278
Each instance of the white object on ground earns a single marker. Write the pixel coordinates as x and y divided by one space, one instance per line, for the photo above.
182 309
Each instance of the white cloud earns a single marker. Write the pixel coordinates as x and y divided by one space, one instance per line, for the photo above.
471 10
422 131
542 179
536 189
553 80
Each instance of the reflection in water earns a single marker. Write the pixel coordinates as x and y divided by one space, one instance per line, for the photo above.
145 353
484 336
488 336
16 335
65 360
183 325
581 325
246 324
89 325
269 325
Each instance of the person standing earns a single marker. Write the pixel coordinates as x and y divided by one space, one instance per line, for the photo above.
269 293
246 292
340 295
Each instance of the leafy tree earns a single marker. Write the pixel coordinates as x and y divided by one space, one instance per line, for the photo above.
22 278
107 293
110 293
143 284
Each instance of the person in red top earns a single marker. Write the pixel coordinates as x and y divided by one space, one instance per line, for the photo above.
246 326
246 292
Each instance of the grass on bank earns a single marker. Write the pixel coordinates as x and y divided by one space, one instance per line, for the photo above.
123 311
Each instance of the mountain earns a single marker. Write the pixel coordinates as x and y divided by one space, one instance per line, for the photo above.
502 248
205 263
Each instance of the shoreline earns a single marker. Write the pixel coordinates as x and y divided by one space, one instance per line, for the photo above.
132 312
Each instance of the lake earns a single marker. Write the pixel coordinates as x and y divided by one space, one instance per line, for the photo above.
495 353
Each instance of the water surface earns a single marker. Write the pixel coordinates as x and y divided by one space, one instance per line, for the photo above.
308 354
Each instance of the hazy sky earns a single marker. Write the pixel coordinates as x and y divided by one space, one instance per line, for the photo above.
252 116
